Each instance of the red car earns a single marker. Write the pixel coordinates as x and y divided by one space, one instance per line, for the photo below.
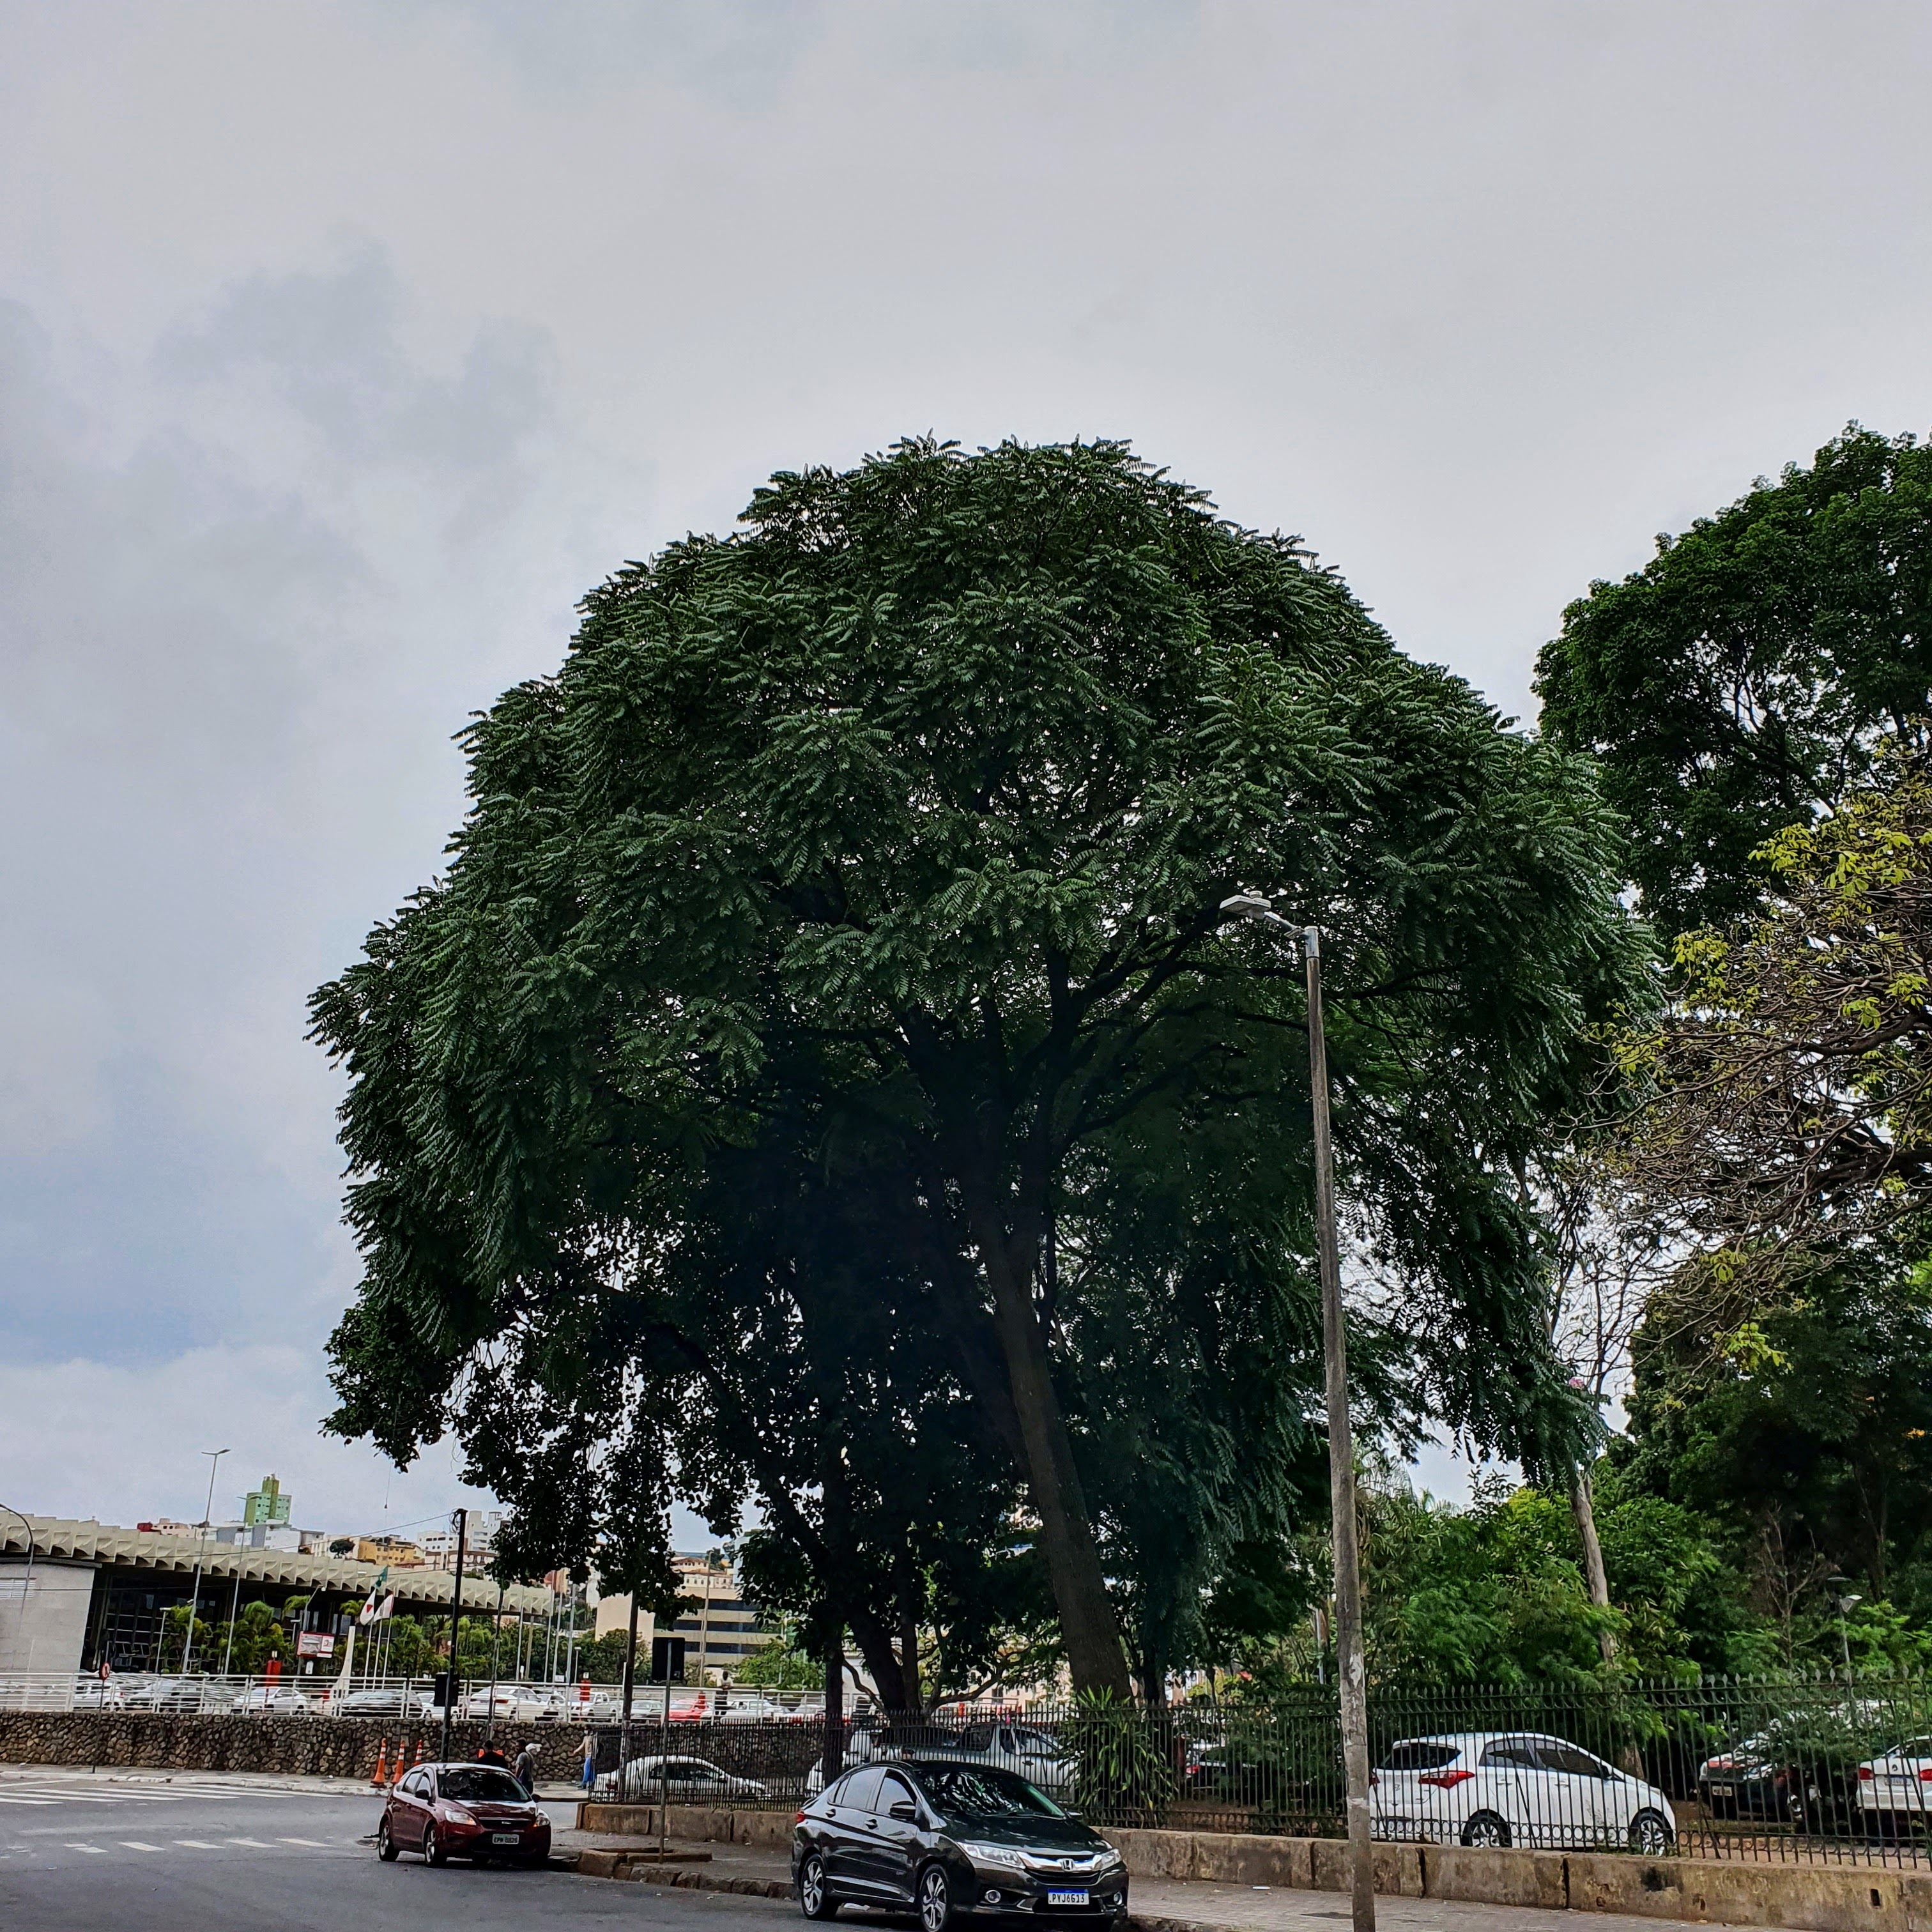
464 1811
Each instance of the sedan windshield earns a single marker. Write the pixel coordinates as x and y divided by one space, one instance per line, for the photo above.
978 1791
482 1784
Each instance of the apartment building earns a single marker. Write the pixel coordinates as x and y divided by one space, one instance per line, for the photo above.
720 1632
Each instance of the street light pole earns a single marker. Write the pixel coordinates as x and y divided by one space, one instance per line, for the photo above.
201 1549
455 1612
1350 1666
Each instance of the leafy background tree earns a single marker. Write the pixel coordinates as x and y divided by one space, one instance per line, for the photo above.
1737 683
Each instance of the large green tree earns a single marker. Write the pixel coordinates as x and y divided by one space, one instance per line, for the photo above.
910 807
1736 684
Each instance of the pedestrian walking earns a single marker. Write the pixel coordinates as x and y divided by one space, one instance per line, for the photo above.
589 1759
492 1754
526 1772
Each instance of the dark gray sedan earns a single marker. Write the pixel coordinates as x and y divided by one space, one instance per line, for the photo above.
952 1840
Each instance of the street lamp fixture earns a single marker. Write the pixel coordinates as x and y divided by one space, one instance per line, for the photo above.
1350 1666
214 1456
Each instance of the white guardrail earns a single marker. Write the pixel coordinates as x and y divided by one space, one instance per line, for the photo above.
408 1700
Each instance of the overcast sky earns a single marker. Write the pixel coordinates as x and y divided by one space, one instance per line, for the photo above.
343 346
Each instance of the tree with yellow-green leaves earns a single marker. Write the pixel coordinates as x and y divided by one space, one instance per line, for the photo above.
1789 1082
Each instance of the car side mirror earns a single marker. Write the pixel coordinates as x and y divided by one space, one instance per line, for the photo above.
905 1811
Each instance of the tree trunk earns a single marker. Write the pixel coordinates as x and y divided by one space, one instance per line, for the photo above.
915 1698
875 1646
1094 1654
1584 1510
835 1705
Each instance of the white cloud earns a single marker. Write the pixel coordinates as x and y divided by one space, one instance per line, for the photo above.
79 1437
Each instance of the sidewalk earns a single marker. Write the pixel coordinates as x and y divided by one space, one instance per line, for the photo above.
1159 1905
238 1780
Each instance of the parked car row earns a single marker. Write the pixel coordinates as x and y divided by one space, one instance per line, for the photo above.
1806 1781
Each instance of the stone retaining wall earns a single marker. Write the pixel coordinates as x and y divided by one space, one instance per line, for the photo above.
325 1746
1809 1897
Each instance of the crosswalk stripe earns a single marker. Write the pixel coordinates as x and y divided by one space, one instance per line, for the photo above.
254 1844
314 1844
99 1851
135 1845
197 1844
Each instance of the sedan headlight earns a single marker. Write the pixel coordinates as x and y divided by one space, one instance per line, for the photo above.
460 1813
1005 1856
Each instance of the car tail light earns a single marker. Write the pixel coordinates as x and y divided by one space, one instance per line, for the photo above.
1444 1781
1925 1773
1865 1771
1375 1778
798 1817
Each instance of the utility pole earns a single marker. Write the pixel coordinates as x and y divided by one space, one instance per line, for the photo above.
201 1550
630 1677
455 1612
1350 1667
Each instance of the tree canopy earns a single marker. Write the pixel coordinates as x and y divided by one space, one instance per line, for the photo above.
871 859
1736 684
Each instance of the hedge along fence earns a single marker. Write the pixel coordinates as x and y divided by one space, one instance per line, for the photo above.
311 1746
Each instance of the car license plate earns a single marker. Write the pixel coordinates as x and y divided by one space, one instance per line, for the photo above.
505 1837
1067 1898
1724 1791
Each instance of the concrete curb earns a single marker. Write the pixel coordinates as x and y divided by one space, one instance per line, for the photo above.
1806 1897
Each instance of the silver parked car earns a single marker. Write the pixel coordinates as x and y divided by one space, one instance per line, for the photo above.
682 1781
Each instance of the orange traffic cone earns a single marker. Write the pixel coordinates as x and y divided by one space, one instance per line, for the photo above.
419 1754
382 1754
396 1769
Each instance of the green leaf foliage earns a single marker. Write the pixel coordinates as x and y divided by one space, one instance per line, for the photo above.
834 938
1736 684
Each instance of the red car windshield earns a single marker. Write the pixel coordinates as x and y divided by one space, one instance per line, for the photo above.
481 1784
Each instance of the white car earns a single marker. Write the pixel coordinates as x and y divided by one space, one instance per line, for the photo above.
682 1781
1034 1755
520 1706
1895 1788
279 1700
747 1707
1515 1788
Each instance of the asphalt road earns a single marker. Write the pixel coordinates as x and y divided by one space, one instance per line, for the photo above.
79 1854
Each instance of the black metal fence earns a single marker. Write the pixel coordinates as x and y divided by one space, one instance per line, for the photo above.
1836 1770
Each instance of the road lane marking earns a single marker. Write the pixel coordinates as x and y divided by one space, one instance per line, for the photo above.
29 1800
197 1844
99 1851
314 1844
254 1844
135 1845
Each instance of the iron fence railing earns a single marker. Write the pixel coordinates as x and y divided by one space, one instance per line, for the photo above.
1785 1770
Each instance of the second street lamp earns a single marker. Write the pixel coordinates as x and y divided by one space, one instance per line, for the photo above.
1350 1667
